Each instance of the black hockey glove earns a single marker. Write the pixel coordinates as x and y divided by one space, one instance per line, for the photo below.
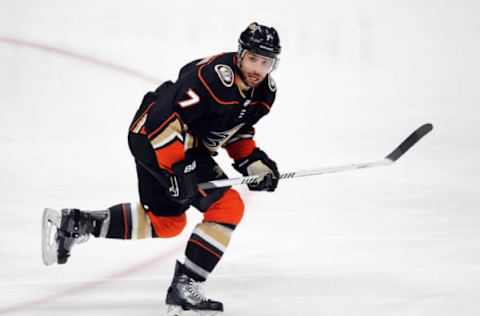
183 183
259 163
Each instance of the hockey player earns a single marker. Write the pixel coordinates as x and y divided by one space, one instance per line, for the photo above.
214 103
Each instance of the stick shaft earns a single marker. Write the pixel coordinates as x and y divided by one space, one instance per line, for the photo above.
398 152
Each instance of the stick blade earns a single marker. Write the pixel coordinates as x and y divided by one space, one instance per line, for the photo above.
411 140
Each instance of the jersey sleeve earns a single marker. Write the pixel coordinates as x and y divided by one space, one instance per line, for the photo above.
242 143
167 129
168 141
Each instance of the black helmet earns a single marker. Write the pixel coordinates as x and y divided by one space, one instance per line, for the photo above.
261 40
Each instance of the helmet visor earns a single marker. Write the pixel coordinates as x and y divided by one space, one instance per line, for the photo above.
262 63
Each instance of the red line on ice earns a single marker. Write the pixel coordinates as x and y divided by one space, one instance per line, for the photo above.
122 273
85 58
91 285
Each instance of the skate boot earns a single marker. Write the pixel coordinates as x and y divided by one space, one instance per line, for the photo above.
186 294
72 227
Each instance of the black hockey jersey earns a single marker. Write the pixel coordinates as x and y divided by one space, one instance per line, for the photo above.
204 107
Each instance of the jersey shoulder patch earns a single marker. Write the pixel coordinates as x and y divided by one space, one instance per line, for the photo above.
225 73
271 84
218 78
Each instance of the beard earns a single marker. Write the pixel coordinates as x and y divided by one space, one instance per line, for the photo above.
251 79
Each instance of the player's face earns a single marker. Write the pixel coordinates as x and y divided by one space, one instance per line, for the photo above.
255 68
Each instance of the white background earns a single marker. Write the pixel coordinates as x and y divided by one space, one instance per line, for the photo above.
355 78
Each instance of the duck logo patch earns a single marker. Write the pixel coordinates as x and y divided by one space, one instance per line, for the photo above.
225 73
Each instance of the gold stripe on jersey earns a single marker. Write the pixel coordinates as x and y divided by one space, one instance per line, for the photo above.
167 134
138 126
189 141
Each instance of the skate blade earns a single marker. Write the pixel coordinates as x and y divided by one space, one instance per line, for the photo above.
174 310
51 220
207 313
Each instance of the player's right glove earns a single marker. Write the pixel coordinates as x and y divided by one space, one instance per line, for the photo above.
183 182
259 163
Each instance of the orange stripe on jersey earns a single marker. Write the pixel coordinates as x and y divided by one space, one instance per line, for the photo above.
241 149
141 116
164 123
170 154
208 87
262 103
214 57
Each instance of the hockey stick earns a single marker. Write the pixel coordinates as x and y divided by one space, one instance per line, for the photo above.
398 152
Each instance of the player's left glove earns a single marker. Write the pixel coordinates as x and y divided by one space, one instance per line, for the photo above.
259 163
183 182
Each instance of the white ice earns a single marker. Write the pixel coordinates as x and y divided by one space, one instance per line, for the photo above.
355 78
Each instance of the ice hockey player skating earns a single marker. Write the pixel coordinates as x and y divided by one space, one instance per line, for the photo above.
214 103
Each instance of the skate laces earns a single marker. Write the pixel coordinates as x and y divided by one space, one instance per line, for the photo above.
77 238
195 290
80 232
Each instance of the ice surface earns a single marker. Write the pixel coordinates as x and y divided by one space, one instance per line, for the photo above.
355 78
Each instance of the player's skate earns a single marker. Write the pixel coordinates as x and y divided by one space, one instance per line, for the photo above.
186 294
61 231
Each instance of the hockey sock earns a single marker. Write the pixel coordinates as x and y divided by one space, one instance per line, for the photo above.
205 248
126 221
